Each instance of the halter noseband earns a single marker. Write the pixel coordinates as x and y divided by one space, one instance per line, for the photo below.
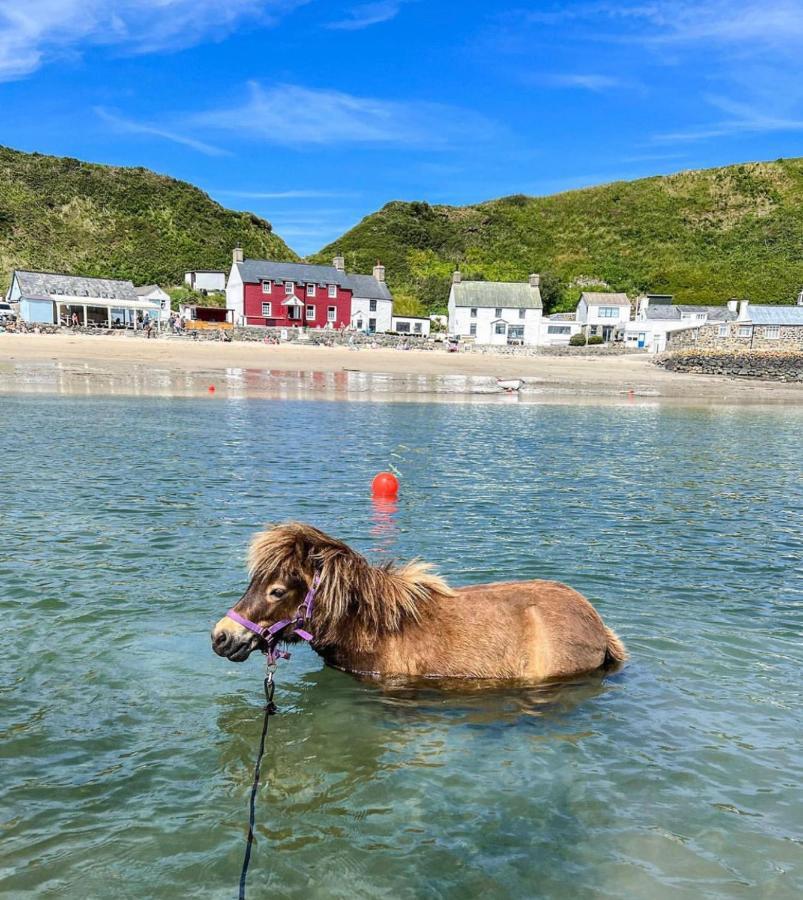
269 634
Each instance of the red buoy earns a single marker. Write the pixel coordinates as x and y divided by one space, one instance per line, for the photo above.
211 389
385 485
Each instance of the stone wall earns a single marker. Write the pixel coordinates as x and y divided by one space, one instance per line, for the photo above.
777 365
708 336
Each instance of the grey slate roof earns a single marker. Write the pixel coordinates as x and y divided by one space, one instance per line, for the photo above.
366 286
145 289
51 284
602 298
497 294
775 315
667 312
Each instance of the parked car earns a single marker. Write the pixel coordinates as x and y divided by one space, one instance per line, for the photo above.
7 313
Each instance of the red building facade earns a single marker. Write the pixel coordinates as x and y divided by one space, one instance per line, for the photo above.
287 303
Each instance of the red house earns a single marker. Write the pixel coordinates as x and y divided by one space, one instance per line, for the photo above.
285 295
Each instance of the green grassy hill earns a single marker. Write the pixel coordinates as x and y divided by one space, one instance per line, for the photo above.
61 214
704 236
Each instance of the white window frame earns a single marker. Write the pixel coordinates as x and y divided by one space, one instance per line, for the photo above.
267 286
372 325
472 329
267 305
522 313
772 332
372 306
722 331
332 288
331 313
472 312
310 315
500 328
745 331
608 312
290 288
418 327
310 289
498 312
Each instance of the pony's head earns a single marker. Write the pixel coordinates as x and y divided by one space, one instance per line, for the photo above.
355 602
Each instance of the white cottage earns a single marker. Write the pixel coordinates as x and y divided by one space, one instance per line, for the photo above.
496 312
371 300
601 313
206 280
657 317
154 294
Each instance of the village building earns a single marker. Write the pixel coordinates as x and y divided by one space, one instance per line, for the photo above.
558 329
749 327
155 294
496 312
207 280
657 318
53 298
415 325
196 316
289 294
600 314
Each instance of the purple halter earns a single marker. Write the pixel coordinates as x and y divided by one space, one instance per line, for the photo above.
269 634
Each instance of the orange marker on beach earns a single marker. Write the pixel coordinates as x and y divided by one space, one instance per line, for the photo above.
385 485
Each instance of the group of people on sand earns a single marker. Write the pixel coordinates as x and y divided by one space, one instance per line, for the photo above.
176 323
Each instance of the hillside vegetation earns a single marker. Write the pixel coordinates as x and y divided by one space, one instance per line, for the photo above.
61 214
704 236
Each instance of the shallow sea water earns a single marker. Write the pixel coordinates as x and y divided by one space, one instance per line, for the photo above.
127 746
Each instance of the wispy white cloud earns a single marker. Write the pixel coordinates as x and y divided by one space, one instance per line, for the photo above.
585 81
285 195
365 15
123 125
291 115
33 32
741 119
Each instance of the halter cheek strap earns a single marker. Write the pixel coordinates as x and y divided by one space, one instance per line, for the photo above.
270 633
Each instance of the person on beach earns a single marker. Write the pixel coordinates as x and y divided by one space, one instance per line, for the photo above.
75 320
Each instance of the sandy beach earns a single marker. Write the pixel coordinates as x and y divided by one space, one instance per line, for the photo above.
135 366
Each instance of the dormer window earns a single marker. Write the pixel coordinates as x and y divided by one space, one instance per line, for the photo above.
289 288
267 287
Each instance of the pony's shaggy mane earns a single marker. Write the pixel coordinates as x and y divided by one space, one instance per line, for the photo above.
355 600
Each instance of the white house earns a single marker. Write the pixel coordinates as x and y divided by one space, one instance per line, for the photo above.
371 300
496 312
205 280
657 316
601 313
417 325
51 297
154 294
557 330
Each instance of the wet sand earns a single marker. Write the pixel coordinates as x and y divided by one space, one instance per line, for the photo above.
83 364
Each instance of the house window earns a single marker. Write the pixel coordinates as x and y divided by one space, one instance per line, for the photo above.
559 329
472 329
372 325
310 311
473 312
498 313
333 290
745 330
331 313
266 310
267 286
359 324
608 312
521 313
403 327
293 312
501 328
289 288
417 327
372 306
310 290
722 331
772 332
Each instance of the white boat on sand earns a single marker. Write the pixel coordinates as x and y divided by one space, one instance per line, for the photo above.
509 384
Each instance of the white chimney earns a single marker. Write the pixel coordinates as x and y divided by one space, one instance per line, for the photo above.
535 280
339 263
733 305
744 316
457 277
237 255
800 299
379 271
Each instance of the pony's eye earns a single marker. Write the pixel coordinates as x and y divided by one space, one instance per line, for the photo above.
277 592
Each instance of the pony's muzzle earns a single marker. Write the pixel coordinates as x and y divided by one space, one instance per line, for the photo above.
232 641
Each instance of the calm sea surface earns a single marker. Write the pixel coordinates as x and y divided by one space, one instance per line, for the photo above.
127 746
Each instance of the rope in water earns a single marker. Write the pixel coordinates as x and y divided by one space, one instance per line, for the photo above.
270 709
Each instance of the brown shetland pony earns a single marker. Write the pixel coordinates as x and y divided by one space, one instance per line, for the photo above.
404 620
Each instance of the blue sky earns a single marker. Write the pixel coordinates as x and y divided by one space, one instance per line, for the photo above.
314 113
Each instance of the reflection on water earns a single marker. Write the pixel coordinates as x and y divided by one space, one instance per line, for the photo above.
128 746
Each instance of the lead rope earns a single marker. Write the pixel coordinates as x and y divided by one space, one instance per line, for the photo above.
270 709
